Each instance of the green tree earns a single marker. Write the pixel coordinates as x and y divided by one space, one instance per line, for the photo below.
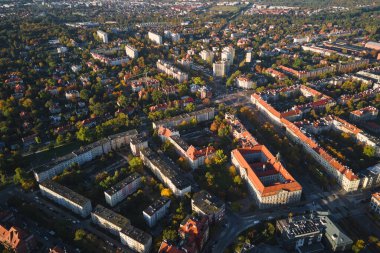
136 163
170 235
190 107
157 96
358 246
80 234
19 176
220 157
3 178
369 151
84 134
60 139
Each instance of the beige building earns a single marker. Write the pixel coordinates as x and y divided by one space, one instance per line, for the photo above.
121 190
136 239
172 71
66 197
156 38
220 68
131 52
109 220
166 171
269 182
375 202
207 55
103 36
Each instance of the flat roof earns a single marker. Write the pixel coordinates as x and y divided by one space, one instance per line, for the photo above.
334 233
300 226
137 234
123 183
184 116
180 142
168 168
82 150
156 205
207 203
65 192
111 216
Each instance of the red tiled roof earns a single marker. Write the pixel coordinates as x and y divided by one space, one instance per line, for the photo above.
293 128
376 195
290 185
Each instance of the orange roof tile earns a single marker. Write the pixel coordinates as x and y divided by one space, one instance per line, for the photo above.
290 185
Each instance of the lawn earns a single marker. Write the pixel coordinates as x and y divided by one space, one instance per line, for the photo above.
225 8
45 156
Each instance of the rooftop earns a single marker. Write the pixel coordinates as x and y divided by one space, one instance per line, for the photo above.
167 167
257 160
122 184
65 192
300 226
156 205
207 203
111 216
184 116
137 234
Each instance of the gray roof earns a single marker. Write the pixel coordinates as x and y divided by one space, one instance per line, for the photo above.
183 116
206 202
180 142
65 192
156 205
137 234
300 226
333 233
82 150
168 168
111 216
123 183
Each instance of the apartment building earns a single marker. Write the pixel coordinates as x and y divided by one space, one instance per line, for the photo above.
166 171
109 220
156 38
197 116
123 189
308 74
375 202
205 204
364 114
103 36
83 155
207 55
105 58
313 233
131 52
240 132
136 239
220 68
370 178
66 197
158 209
171 70
269 182
195 230
343 175
195 157
276 74
228 55
298 233
138 143
244 82
17 240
